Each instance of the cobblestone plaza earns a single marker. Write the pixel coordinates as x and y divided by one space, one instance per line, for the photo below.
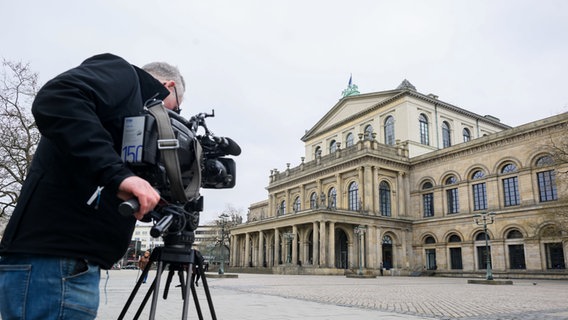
254 296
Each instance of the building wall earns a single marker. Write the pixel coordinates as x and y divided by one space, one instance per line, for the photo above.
322 235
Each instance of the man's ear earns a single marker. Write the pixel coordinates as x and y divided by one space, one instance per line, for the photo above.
170 84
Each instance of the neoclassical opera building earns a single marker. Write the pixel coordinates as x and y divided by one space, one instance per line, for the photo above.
401 180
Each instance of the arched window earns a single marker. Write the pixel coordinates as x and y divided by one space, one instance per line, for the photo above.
317 152
389 130
466 135
353 196
481 237
282 208
454 238
313 200
332 146
424 132
511 194
546 180
514 234
429 240
544 161
349 140
479 191
452 195
368 132
384 199
446 135
296 204
332 198
428 199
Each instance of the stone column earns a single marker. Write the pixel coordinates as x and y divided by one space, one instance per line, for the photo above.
261 258
331 261
315 244
323 244
295 245
374 190
368 189
361 176
247 249
277 250
371 247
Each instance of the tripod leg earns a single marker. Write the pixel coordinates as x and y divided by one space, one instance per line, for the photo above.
145 300
196 302
156 287
134 291
168 281
182 283
188 292
207 294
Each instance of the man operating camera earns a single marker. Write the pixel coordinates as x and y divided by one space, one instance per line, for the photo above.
66 226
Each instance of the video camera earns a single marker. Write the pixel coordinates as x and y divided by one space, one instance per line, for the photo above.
166 150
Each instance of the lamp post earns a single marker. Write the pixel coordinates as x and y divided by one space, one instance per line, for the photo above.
485 219
222 223
288 236
360 231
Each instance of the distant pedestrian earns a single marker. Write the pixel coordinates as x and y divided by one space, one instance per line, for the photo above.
143 262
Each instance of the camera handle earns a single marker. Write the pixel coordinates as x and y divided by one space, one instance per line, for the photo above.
128 207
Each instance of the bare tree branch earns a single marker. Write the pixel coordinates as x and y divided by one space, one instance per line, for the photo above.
19 135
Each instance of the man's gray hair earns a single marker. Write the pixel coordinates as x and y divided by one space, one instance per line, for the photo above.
164 71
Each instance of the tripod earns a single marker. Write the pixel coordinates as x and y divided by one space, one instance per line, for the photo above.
180 260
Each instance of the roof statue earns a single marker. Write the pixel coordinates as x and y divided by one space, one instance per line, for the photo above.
351 90
406 85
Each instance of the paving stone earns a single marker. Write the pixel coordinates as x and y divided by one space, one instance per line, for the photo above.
256 296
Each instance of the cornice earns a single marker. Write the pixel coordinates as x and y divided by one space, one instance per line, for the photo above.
495 141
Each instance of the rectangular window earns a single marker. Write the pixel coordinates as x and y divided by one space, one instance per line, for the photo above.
453 203
479 197
547 186
511 191
456 259
517 256
428 201
424 133
554 256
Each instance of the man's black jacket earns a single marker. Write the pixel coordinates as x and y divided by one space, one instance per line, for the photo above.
80 115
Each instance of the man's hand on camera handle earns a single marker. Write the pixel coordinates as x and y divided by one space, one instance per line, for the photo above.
136 187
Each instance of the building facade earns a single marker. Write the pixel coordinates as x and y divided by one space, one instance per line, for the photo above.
401 181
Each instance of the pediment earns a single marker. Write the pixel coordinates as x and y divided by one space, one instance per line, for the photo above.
348 108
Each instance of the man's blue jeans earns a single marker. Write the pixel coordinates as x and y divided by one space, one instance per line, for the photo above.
42 287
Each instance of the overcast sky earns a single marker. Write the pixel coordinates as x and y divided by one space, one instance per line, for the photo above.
271 69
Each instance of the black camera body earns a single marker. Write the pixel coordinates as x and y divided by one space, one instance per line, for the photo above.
144 159
143 149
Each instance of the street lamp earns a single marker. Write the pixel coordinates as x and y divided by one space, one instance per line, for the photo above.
485 219
360 231
288 236
222 223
